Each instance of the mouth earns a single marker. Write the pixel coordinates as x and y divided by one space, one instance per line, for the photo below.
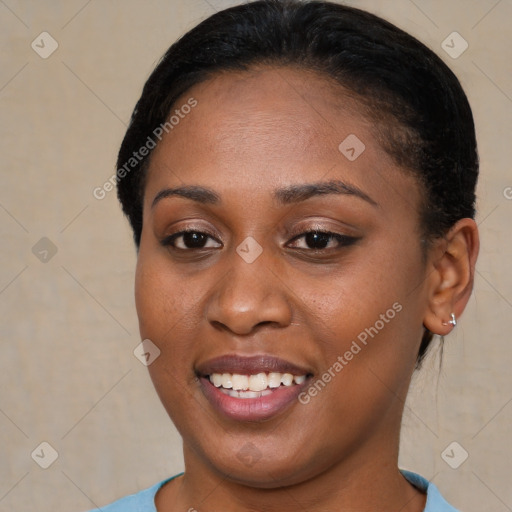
251 388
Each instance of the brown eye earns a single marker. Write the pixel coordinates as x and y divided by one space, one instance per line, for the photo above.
319 240
190 240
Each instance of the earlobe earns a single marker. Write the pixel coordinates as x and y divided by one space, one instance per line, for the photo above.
451 276
453 321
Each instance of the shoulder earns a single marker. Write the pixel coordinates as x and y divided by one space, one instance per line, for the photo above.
142 501
435 501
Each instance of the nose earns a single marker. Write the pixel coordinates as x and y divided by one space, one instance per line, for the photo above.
248 296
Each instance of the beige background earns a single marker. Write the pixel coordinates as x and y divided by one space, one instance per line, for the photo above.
68 375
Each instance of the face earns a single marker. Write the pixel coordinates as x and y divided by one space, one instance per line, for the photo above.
298 288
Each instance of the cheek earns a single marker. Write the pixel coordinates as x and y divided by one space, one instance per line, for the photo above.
162 297
370 313
165 309
164 306
152 300
358 293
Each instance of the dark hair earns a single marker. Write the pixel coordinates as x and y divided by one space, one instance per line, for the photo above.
420 112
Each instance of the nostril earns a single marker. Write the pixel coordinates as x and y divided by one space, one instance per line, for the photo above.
265 322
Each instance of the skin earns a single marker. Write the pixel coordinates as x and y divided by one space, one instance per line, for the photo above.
251 133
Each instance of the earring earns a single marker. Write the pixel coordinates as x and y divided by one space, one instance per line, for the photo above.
453 321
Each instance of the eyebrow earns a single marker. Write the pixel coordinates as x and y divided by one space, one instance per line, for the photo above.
287 195
303 191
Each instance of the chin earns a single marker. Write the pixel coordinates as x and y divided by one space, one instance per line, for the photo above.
252 464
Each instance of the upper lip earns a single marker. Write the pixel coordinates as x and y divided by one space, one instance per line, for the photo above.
249 365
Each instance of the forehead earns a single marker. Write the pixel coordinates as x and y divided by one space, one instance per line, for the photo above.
283 108
255 130
286 108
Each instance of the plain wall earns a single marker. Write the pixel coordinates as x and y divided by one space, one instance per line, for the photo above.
68 325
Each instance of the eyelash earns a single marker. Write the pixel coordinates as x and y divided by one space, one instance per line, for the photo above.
343 240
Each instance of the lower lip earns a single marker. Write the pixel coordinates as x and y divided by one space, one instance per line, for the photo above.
252 409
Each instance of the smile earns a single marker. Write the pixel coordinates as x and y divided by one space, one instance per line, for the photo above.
251 388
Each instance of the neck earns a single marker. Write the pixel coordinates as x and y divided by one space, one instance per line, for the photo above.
367 479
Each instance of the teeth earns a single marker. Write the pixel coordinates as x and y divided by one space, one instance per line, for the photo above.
287 379
240 382
299 379
245 394
258 382
217 380
253 386
226 381
274 380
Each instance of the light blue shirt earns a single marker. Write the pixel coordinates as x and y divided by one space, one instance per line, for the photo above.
144 501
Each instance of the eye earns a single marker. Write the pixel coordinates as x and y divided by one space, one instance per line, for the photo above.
316 240
189 240
321 239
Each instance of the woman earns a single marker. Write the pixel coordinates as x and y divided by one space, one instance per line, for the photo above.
300 179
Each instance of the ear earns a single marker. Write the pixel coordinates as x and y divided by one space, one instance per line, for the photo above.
452 270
